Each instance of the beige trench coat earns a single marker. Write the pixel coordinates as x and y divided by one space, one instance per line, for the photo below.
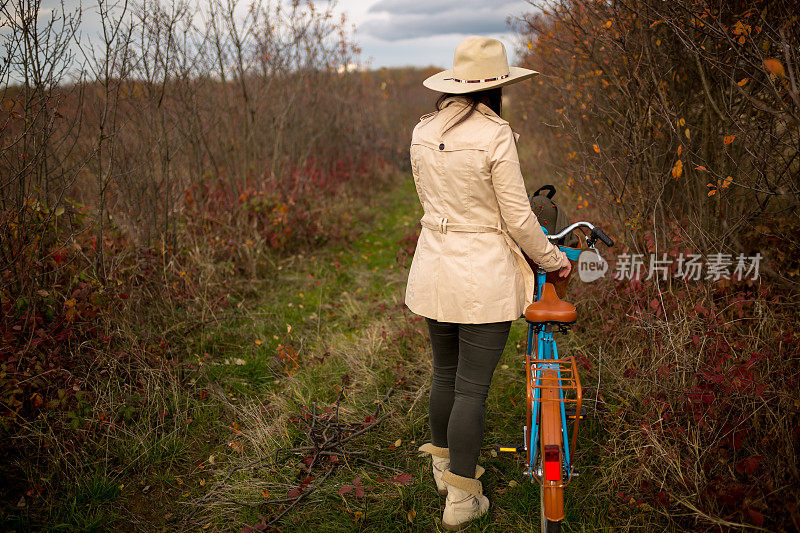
467 266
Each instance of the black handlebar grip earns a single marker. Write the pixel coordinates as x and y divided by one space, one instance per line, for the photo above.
600 234
546 188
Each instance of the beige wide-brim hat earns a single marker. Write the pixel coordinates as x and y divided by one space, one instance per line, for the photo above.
479 63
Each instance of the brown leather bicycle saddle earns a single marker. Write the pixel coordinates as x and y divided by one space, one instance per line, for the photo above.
550 308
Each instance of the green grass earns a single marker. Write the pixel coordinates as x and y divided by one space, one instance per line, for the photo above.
88 507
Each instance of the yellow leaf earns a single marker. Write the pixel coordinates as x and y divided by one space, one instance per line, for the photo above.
681 122
608 24
775 66
257 341
398 442
686 132
726 182
530 46
677 169
728 139
680 149
596 148
712 192
741 29
288 328
742 82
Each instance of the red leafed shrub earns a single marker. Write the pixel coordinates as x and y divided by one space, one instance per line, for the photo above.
699 401
310 207
59 324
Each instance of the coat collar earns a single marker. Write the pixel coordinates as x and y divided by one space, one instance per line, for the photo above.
463 101
460 100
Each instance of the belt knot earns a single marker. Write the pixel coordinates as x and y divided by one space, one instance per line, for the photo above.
443 225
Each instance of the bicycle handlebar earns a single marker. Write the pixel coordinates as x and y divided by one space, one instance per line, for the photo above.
597 233
603 237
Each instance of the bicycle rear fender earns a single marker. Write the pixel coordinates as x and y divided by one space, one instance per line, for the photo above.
552 435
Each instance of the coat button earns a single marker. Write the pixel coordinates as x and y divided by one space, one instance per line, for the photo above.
441 146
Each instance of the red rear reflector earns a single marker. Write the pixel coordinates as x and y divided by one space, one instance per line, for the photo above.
552 462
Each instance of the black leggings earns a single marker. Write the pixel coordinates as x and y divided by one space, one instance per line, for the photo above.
464 359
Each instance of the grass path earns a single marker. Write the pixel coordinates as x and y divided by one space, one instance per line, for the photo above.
328 323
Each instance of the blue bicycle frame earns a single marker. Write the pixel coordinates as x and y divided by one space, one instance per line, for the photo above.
546 349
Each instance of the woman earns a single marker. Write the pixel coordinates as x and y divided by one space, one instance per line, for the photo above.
468 277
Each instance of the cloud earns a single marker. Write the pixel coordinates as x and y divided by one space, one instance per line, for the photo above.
479 21
427 51
42 15
396 20
403 7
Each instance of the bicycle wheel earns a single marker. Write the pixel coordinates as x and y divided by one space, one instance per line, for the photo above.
548 526
552 494
529 401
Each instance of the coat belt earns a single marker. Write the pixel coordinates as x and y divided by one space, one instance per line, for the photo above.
443 226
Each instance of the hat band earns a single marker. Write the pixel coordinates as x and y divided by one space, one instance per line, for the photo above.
504 76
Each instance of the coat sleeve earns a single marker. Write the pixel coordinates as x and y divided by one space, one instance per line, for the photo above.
415 174
509 188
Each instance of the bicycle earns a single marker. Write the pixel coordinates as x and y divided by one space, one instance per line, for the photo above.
554 391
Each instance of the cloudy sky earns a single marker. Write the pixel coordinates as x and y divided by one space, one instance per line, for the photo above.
400 32
390 32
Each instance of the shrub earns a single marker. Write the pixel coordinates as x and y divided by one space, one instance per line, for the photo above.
675 125
663 112
152 188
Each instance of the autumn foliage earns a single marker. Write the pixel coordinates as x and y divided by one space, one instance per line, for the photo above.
676 125
671 111
141 193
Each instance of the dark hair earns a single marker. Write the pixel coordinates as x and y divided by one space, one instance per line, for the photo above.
489 97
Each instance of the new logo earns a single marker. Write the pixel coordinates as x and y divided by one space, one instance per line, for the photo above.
591 266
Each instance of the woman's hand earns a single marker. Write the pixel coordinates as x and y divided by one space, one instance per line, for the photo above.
566 266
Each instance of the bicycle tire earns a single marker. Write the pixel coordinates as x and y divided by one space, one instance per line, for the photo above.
550 433
548 526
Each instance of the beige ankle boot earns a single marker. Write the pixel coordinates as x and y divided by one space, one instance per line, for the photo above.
465 500
440 461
